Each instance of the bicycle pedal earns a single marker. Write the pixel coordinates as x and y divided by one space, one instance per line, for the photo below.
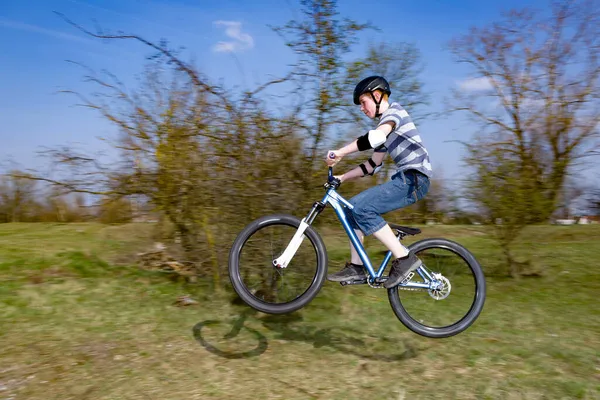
407 279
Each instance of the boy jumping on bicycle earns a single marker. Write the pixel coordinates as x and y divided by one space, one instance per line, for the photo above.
397 135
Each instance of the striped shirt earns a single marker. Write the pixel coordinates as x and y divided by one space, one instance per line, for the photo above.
404 143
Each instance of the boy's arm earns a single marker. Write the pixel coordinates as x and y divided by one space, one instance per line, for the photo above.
365 142
369 166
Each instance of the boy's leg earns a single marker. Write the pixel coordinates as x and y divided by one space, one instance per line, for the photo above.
403 264
386 236
353 270
372 203
354 257
368 207
401 268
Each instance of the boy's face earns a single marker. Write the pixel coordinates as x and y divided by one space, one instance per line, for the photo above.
367 105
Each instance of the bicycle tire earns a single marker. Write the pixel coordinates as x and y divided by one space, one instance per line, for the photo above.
476 307
246 294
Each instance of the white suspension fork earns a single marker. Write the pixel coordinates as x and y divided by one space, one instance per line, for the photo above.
292 247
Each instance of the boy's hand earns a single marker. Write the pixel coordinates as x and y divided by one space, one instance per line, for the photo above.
333 157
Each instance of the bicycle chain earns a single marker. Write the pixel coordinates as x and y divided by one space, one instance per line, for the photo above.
380 286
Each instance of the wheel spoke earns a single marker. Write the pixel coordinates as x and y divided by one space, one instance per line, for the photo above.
269 283
454 303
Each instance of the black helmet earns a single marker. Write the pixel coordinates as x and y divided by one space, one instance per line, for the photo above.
369 85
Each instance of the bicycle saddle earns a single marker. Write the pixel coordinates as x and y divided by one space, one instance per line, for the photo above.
405 229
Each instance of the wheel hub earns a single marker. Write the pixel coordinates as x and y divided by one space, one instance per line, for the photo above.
440 287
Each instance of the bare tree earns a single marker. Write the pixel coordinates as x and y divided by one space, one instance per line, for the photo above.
537 105
17 197
593 201
401 64
184 144
320 39
570 198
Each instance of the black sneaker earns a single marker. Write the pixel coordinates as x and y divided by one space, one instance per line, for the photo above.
401 267
351 272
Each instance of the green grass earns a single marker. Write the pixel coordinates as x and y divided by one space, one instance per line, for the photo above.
78 324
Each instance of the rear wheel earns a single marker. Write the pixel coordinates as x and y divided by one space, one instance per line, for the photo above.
457 298
268 288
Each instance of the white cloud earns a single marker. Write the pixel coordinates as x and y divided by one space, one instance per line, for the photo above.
233 29
476 84
225 47
21 26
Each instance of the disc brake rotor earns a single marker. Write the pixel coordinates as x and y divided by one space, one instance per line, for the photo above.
440 287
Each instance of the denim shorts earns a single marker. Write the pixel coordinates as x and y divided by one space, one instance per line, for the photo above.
405 188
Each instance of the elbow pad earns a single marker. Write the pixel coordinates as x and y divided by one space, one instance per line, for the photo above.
375 167
371 140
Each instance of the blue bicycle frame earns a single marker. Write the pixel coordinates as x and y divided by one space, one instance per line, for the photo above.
338 203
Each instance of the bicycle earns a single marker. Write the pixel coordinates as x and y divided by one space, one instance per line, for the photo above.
291 259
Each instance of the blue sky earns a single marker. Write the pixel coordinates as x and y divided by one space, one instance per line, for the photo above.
36 44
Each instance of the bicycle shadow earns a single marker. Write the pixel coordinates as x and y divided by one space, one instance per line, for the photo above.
341 338
224 349
290 328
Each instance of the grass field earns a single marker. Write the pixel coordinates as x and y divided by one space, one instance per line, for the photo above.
79 323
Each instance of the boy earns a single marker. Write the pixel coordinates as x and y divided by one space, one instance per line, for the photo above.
397 135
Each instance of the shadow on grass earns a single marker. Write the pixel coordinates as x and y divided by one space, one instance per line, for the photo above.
234 340
343 339
217 337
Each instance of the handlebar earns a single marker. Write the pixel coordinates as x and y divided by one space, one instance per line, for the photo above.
330 178
331 181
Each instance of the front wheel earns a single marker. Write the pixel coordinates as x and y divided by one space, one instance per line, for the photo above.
268 288
453 300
